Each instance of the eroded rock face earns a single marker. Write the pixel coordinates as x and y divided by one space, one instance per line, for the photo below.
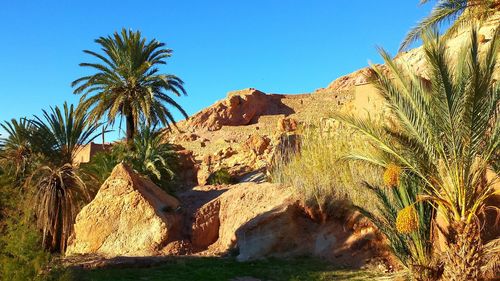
287 231
130 216
287 125
205 228
187 168
239 108
240 204
265 220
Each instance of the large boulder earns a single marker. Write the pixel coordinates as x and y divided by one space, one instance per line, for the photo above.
266 220
288 231
130 216
235 207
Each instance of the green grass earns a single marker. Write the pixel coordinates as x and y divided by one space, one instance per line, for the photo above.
221 269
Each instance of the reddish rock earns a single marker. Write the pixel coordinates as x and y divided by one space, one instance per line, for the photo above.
239 108
205 229
287 125
224 153
257 144
359 77
240 204
178 248
264 220
188 170
203 174
191 137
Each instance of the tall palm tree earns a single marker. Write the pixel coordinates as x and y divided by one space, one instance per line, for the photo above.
59 190
127 82
459 12
446 134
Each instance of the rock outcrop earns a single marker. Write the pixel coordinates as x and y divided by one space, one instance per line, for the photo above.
240 204
130 216
288 231
239 108
187 168
265 220
244 120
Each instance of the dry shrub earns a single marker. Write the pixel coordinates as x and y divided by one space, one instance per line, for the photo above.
319 174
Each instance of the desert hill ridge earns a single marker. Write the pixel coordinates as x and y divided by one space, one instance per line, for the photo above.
243 131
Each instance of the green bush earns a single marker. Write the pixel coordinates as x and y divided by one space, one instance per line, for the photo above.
22 257
219 177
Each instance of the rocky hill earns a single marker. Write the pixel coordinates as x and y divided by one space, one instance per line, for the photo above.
243 131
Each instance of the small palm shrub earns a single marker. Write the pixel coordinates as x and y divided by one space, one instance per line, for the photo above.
405 222
151 155
60 193
148 155
16 151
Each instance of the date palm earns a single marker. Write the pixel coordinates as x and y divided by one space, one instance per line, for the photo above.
446 134
459 13
16 153
59 189
127 82
411 248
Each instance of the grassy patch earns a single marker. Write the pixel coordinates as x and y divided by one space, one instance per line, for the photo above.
320 175
221 269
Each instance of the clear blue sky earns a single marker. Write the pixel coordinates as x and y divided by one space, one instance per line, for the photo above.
276 46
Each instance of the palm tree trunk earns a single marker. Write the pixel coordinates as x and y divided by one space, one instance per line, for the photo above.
462 260
130 128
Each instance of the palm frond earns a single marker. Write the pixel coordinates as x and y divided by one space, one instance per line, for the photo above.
459 13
